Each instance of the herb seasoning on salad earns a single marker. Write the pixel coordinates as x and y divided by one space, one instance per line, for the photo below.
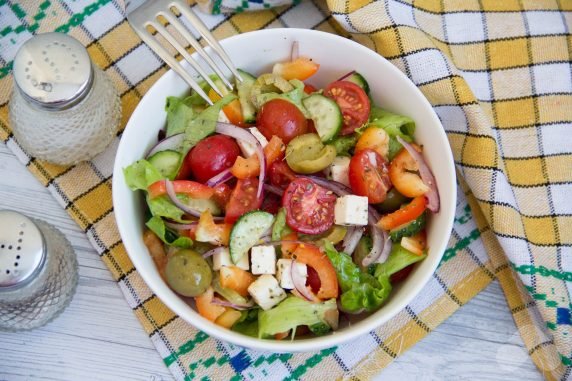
282 205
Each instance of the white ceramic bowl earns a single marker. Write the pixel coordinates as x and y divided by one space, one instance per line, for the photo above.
256 52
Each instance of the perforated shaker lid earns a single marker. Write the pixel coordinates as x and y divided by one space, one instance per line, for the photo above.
22 250
53 70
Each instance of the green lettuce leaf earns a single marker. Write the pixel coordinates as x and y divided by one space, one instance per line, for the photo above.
204 124
398 259
179 114
163 207
292 312
360 290
394 125
141 174
294 96
247 324
157 226
343 144
280 229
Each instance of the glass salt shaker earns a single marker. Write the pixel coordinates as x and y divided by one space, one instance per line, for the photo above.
63 108
38 272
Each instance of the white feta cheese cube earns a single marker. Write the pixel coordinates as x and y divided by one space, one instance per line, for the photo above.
284 272
263 260
266 292
248 149
351 210
222 258
339 170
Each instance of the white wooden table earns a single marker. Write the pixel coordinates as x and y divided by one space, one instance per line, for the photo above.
99 338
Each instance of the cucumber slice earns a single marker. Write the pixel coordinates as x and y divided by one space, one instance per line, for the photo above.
201 204
167 163
247 232
244 88
409 229
326 115
359 80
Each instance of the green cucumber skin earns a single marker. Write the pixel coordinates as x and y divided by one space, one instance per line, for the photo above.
326 114
359 80
167 163
247 232
409 229
243 90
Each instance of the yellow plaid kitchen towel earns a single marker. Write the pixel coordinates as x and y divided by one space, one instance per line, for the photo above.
499 75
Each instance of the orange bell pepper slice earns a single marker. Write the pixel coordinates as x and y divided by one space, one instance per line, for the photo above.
236 279
301 68
190 188
404 215
311 256
250 167
233 110
208 231
206 308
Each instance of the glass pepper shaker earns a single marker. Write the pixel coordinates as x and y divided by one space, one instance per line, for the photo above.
38 272
63 108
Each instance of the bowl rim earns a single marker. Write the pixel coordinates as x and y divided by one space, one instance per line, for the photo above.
315 343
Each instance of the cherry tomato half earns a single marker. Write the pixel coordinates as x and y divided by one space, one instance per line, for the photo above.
280 174
368 175
242 200
309 207
353 102
222 193
281 118
211 156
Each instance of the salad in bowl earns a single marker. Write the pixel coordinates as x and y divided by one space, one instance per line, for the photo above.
279 207
167 226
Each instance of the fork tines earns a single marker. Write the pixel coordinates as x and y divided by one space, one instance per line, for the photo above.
143 14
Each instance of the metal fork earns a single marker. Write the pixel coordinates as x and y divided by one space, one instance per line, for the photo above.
142 14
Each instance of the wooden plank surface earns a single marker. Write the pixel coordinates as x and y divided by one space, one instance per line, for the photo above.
99 338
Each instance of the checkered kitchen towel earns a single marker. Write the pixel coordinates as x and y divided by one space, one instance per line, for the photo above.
498 73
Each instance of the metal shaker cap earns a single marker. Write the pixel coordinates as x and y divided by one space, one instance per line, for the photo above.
22 250
53 71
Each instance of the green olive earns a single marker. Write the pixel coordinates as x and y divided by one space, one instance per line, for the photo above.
393 201
188 273
307 154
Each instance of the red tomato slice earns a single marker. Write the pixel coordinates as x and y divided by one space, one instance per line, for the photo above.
222 194
271 203
191 188
309 89
281 118
211 156
280 174
243 199
353 102
369 175
309 207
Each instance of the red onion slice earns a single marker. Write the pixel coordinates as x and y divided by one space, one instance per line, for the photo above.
381 244
173 197
272 189
295 52
432 195
343 77
172 142
214 251
351 239
180 226
222 177
226 303
246 136
300 283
